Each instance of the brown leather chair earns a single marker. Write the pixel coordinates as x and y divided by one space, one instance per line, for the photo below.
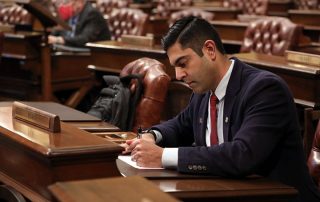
162 8
250 7
271 35
314 154
307 4
190 12
106 6
14 14
155 83
238 4
127 21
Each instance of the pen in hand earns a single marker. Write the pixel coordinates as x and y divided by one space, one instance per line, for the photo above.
139 134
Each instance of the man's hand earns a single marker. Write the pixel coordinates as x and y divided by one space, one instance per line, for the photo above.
128 144
144 151
55 40
146 154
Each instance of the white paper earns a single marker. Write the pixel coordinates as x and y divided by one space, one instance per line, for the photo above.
127 159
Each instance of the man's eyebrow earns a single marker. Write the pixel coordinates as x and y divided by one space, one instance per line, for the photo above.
178 60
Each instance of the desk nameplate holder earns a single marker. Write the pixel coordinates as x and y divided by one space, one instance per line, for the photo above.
36 117
303 58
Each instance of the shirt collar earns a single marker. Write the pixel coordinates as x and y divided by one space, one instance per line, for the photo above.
220 91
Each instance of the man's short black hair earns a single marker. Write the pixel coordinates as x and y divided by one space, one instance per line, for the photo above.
192 32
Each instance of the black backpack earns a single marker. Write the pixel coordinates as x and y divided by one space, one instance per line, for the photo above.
116 104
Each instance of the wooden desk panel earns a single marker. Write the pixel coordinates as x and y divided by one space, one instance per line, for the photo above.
303 80
31 72
39 158
279 7
232 31
305 17
114 55
21 45
135 189
205 188
158 27
220 13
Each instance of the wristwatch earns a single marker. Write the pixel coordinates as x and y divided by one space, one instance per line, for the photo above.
151 132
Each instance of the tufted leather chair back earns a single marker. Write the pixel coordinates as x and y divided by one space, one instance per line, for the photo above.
313 160
271 35
106 6
14 15
162 8
127 21
238 4
250 7
190 12
307 4
155 84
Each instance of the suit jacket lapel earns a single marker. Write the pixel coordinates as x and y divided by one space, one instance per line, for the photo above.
233 88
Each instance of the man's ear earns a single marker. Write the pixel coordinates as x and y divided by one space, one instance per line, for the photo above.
210 49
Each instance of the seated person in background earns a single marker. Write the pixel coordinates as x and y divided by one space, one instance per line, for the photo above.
254 131
87 25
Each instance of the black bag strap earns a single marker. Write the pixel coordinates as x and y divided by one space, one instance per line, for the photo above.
135 97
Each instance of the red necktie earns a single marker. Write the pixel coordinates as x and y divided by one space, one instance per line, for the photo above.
213 116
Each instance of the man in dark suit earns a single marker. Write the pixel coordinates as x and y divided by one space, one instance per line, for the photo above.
86 22
254 130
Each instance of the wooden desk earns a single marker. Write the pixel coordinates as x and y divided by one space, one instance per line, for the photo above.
305 17
29 70
70 115
134 189
279 7
232 33
21 45
303 80
220 13
230 30
206 188
158 27
112 56
31 158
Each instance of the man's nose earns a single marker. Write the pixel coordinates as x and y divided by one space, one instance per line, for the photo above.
180 73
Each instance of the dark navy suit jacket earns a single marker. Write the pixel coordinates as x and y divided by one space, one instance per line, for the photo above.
260 129
90 27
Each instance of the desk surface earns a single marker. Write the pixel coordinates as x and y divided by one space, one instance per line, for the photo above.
206 188
117 45
299 77
65 113
235 30
114 55
39 158
113 190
